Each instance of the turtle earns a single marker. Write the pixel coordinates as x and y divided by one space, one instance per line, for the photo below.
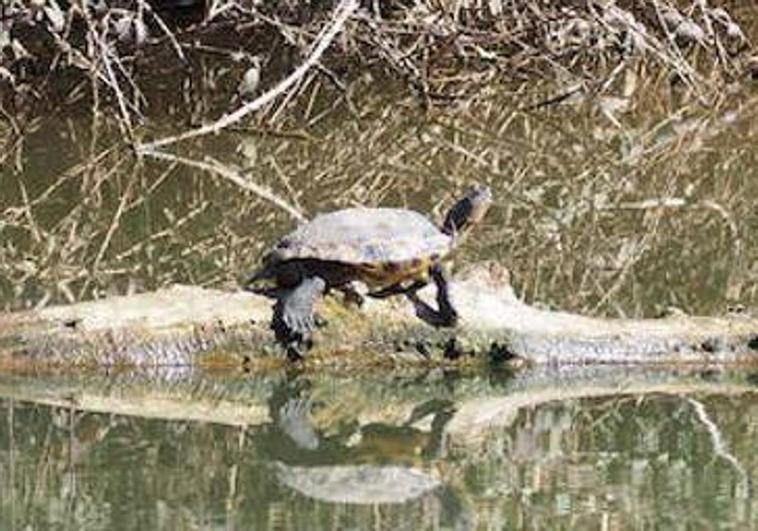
393 251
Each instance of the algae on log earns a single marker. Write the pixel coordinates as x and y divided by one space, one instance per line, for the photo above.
185 325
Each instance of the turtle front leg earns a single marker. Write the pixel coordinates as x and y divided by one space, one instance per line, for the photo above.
293 315
447 313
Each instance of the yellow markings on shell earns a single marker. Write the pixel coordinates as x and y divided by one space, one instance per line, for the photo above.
389 273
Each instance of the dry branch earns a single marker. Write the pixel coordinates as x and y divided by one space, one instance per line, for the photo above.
234 177
324 39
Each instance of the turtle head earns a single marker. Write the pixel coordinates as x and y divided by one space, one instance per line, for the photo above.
467 211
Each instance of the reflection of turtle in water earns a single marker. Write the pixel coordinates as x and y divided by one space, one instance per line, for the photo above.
295 438
393 250
386 465
360 464
358 484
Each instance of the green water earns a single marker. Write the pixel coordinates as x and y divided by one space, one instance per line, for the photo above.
382 457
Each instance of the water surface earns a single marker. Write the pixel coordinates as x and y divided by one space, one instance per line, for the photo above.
621 217
374 452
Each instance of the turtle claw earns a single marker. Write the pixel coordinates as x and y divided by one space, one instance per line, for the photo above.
298 324
319 320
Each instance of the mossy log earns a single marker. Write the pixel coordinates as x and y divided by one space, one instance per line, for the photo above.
184 325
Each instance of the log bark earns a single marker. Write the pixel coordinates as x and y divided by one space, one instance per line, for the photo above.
186 325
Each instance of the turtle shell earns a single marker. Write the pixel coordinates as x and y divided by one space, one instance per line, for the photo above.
365 236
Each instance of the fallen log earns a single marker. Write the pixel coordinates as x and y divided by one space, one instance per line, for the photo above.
185 325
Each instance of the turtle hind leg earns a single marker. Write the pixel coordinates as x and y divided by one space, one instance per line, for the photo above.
293 318
448 316
398 289
445 315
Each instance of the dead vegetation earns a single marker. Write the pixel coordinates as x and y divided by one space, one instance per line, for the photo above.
443 51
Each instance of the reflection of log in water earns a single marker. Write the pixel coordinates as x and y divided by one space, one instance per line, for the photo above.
165 395
470 408
642 439
176 325
628 447
478 418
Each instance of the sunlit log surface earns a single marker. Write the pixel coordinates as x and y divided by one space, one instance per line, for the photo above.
185 325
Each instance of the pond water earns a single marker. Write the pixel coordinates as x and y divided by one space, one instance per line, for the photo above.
380 452
620 207
622 217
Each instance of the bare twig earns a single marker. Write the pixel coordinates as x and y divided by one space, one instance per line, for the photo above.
162 25
234 177
719 446
325 38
